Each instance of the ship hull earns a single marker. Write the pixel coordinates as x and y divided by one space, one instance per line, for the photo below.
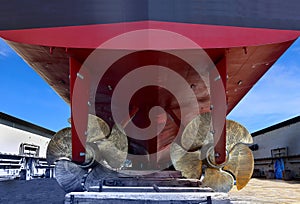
242 39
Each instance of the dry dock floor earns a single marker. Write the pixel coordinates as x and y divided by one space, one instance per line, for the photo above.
267 191
47 191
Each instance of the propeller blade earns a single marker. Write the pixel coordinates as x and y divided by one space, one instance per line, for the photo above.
118 138
98 173
60 146
240 164
114 149
240 160
195 134
69 175
218 180
98 129
188 163
236 133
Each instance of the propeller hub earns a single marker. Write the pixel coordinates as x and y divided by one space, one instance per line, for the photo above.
90 157
211 155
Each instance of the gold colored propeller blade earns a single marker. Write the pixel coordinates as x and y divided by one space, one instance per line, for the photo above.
118 138
240 164
196 132
240 160
188 163
60 146
98 173
114 149
236 133
98 129
218 180
69 175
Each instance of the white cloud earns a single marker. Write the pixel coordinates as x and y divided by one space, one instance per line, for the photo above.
5 50
2 53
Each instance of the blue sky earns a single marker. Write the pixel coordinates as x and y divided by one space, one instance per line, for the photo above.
276 96
24 94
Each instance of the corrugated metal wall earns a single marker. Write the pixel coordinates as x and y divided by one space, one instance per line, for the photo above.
284 142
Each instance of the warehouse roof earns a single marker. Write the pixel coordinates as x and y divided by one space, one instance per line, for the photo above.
24 125
277 126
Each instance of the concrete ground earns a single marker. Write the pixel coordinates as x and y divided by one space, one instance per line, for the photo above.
41 191
267 191
47 191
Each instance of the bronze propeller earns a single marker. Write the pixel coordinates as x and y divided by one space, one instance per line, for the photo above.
107 148
239 163
113 149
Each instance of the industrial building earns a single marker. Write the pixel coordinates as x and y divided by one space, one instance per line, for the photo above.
23 148
275 144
